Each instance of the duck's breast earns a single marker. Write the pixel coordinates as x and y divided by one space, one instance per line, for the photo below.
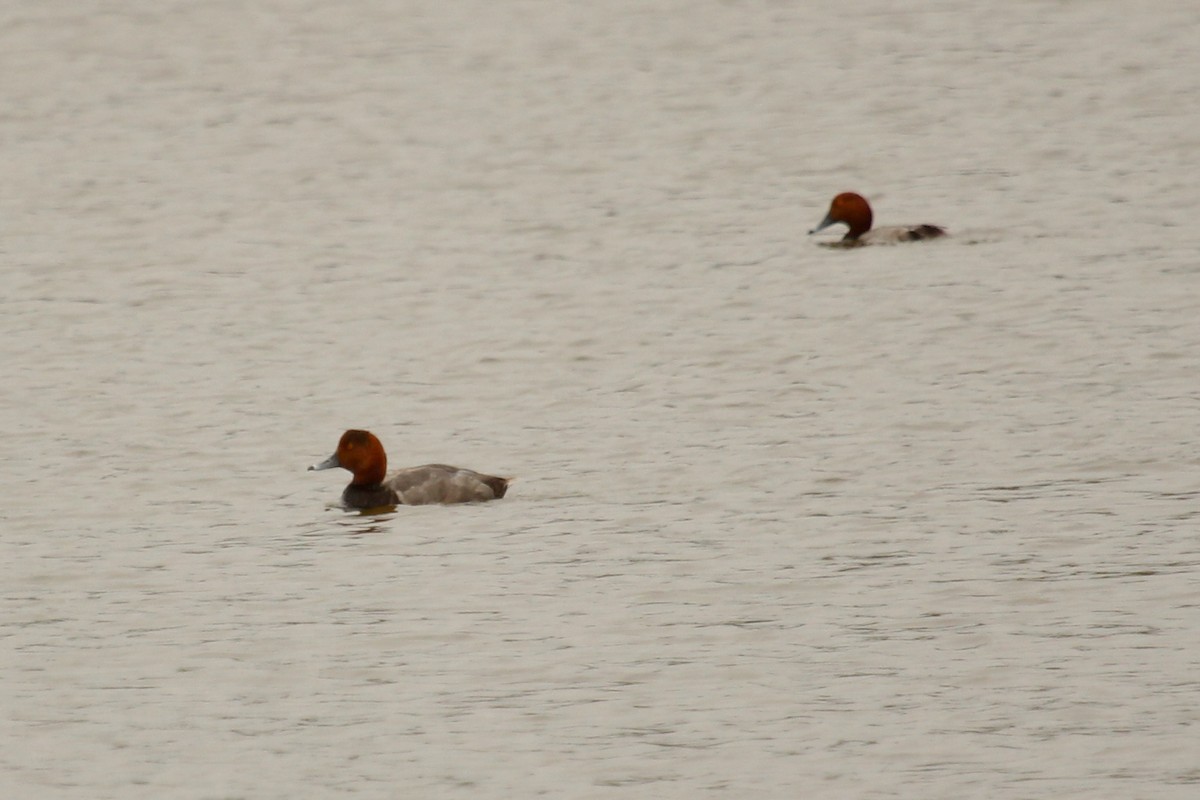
366 497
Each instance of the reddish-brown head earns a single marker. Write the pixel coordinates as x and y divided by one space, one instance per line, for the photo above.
361 453
851 209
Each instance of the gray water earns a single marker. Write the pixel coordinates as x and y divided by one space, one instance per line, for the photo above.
896 522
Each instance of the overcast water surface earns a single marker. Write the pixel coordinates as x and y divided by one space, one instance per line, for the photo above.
894 522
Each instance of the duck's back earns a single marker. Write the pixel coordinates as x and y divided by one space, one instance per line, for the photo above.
893 234
439 483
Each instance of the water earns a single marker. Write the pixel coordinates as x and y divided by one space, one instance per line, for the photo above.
884 523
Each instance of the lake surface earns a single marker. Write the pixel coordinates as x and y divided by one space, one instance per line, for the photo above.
790 521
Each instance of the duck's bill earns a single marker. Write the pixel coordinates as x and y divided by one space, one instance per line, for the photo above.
825 223
328 463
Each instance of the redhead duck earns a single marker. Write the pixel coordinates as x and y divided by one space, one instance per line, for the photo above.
854 210
362 453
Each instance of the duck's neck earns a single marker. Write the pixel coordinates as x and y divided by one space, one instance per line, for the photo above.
370 473
857 229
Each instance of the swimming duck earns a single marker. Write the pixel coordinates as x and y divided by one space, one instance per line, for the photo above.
854 210
362 453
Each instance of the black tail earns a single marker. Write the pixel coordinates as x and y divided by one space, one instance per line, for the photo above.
498 485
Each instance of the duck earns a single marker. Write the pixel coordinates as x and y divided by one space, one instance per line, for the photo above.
362 453
854 210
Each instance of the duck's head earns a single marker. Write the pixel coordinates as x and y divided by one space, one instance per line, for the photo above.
850 208
361 453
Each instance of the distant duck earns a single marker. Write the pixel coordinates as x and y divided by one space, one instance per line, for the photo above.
854 210
362 453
